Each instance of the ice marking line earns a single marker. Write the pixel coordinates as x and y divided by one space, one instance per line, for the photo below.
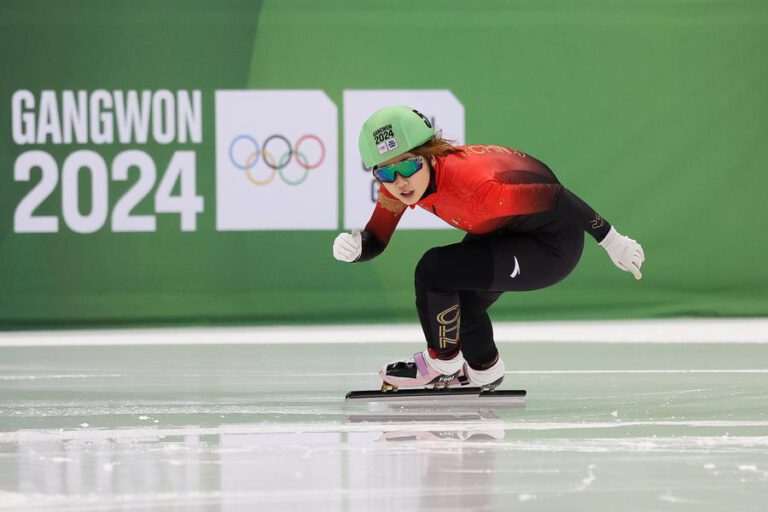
63 376
368 374
28 410
553 372
734 370
334 427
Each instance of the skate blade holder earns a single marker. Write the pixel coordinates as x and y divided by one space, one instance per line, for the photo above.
456 396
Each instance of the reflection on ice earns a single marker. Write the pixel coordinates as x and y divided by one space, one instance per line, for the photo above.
377 457
330 471
460 422
486 434
473 460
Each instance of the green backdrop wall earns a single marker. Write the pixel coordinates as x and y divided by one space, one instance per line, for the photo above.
653 111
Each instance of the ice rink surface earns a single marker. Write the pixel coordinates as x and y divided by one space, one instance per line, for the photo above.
631 426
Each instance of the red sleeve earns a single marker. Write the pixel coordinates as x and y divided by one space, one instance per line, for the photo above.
385 216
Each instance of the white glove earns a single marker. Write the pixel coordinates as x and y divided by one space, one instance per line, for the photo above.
348 246
625 253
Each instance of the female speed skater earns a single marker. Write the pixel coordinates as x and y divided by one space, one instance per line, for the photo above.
525 231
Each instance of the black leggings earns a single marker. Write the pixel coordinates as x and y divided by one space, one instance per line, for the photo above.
457 283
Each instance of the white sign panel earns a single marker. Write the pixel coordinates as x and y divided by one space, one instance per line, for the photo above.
276 160
360 188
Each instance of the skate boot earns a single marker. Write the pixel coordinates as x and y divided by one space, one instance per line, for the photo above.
486 379
422 370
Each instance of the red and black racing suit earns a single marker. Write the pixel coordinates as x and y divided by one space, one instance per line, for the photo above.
525 231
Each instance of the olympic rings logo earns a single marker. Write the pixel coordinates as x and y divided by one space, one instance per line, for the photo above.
274 164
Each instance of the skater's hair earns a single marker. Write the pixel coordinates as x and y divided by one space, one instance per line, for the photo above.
437 146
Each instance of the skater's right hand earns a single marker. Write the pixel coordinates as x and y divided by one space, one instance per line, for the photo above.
348 246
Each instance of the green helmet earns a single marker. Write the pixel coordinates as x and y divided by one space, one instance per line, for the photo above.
392 131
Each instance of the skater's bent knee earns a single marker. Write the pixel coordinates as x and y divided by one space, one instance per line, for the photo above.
427 269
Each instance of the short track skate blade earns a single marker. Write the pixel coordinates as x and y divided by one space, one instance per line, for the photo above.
448 395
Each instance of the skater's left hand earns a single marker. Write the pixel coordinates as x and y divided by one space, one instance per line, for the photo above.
625 253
